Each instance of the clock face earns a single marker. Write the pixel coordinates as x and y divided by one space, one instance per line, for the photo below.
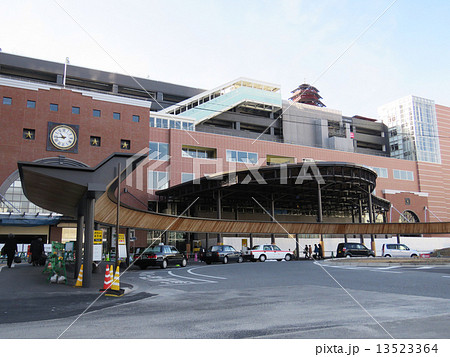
63 137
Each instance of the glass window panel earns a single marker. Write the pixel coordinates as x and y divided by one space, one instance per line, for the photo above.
152 122
163 151
253 157
7 100
75 110
158 122
153 154
116 116
54 107
31 104
178 125
172 124
165 124
185 126
242 156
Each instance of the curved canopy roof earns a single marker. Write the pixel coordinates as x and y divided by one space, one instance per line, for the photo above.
292 186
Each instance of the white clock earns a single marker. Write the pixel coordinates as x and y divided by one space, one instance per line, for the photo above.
63 137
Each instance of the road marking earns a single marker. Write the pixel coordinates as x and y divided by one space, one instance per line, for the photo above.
185 277
446 276
386 271
390 267
205 276
425 267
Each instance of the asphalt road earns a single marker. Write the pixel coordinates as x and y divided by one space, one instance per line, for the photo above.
297 299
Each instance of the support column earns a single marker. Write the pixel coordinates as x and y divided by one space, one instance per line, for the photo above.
88 243
371 219
361 236
79 245
207 241
320 217
219 213
398 238
272 218
251 240
127 245
118 216
297 247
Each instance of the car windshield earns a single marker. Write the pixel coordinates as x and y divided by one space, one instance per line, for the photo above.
154 249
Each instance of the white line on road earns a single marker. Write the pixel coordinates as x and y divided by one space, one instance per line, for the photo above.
386 271
205 276
446 276
390 267
425 267
185 277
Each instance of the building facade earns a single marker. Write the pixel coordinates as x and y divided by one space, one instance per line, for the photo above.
188 133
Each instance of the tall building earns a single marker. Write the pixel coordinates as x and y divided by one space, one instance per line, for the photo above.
413 129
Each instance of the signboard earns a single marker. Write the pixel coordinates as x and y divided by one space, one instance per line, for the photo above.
244 243
122 246
133 239
98 245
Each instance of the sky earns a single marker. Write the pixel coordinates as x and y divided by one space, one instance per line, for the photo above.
357 54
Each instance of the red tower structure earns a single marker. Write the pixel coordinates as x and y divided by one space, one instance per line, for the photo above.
307 94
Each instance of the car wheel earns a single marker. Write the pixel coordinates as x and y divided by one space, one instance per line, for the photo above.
287 257
240 260
371 256
348 255
225 260
387 255
414 256
184 262
262 258
164 264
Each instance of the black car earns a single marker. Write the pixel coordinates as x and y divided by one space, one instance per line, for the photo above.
159 255
353 250
222 253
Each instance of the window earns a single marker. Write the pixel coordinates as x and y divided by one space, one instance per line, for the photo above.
242 156
158 180
28 134
198 152
125 144
403 175
7 100
116 116
31 104
381 171
75 110
171 124
96 141
53 107
97 113
136 118
158 151
186 177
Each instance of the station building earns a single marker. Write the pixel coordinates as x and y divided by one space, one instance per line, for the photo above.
67 115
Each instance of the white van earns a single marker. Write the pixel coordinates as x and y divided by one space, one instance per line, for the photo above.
398 250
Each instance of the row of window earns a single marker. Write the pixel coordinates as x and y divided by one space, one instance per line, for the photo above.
242 156
159 180
171 124
403 175
96 113
30 134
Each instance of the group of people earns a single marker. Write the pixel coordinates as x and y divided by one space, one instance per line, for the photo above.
308 252
10 250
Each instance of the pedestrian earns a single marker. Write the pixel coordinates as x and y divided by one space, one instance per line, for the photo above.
37 249
320 251
310 251
316 252
10 249
306 251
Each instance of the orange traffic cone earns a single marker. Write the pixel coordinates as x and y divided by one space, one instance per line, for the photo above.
79 282
111 273
115 289
108 281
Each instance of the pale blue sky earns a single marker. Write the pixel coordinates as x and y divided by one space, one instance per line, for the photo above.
207 43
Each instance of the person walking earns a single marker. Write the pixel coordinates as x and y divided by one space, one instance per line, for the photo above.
37 249
306 251
316 252
310 251
10 249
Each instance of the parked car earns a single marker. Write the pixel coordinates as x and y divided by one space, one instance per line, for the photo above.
353 250
159 255
222 253
398 250
262 252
